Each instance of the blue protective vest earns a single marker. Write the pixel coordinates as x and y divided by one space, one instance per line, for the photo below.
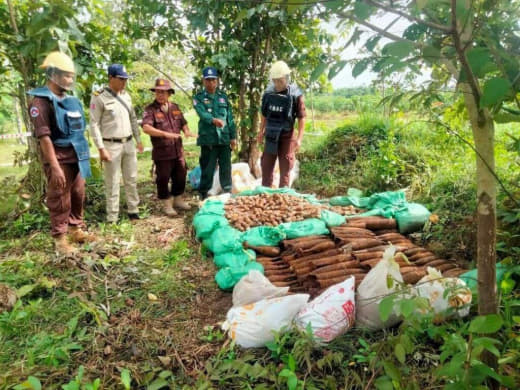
70 120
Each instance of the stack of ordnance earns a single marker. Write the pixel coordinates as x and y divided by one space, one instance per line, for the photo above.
344 210
313 263
244 212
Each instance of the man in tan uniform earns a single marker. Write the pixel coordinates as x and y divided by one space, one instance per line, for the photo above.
112 125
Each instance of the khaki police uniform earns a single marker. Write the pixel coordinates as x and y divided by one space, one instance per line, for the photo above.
112 128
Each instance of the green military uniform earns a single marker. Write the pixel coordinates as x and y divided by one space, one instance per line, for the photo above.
214 141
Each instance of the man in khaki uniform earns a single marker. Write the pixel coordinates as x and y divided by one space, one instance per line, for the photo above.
112 125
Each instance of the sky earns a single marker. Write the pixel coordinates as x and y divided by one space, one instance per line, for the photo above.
344 78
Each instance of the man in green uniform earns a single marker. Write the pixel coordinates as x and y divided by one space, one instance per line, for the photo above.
217 132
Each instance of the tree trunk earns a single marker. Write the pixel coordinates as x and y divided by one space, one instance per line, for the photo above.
242 118
483 130
34 182
21 139
257 84
252 147
483 134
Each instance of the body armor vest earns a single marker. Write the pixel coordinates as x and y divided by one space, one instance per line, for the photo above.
279 117
70 122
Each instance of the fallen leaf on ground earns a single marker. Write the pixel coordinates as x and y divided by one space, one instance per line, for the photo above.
7 298
165 360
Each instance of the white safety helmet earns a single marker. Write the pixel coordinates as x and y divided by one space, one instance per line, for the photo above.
59 61
56 64
278 70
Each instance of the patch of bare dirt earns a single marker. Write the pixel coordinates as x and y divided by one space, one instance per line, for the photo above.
174 341
159 231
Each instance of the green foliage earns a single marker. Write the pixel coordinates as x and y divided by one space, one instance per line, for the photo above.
31 383
126 380
377 154
179 251
244 41
50 349
399 358
35 219
78 382
338 103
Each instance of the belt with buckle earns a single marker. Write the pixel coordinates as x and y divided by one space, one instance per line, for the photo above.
118 140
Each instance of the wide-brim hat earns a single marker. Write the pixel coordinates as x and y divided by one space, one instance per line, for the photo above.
162 85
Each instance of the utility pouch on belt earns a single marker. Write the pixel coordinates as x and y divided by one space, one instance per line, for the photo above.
272 135
278 108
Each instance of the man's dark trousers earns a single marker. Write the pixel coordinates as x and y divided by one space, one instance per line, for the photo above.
209 156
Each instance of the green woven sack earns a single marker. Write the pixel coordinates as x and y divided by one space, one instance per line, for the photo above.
212 207
224 239
471 280
205 224
264 236
412 218
307 227
226 278
331 218
234 259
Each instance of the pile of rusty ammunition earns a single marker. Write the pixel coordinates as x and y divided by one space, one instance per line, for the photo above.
244 212
313 263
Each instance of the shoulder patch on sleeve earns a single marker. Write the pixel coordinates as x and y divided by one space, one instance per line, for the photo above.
34 111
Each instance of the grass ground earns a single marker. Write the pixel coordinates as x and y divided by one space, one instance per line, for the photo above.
141 300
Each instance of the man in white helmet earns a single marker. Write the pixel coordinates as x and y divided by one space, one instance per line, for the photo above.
59 125
282 104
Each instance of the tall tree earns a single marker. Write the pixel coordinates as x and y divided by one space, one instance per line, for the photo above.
242 39
82 28
472 43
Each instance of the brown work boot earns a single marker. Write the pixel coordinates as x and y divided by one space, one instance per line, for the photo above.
62 246
168 207
179 203
80 236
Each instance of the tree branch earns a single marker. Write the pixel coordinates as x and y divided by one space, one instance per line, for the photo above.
462 55
146 60
379 30
451 68
450 130
14 26
387 8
